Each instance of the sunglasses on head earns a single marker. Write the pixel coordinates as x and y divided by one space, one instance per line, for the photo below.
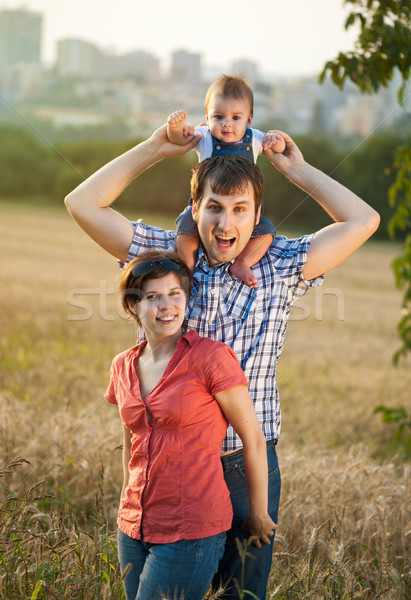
164 263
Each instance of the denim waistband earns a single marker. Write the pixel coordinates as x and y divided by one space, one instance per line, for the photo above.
230 459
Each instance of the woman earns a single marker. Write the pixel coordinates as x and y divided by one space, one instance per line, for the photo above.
175 392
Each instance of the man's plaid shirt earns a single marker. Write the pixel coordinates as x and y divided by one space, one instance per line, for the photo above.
251 321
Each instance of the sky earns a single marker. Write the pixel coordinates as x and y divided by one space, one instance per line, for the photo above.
285 37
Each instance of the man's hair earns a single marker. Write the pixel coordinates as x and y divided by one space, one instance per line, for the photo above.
227 175
227 86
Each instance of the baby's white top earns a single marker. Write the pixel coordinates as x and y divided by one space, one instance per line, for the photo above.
204 147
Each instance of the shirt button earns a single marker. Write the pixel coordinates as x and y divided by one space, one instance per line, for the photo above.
248 148
212 292
218 147
210 321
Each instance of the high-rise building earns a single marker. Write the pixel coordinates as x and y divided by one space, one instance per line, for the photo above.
246 68
76 58
20 37
186 66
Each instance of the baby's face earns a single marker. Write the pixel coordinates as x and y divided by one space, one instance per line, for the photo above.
228 118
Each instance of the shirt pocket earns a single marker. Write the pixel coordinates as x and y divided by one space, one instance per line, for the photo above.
239 299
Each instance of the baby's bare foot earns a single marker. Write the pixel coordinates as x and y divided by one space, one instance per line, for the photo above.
244 272
176 119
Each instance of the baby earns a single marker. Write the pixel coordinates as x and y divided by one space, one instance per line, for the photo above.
229 111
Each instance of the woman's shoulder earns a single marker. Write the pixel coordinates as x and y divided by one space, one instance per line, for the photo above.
205 344
126 356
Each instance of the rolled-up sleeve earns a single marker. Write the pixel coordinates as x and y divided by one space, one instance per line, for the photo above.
148 237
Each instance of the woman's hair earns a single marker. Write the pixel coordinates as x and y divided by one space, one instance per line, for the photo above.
227 86
154 265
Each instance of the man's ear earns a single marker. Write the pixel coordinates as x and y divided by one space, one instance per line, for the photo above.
258 216
194 212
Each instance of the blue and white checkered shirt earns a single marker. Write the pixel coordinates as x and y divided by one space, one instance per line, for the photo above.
251 321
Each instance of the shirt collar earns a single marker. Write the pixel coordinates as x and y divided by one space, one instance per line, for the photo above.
203 264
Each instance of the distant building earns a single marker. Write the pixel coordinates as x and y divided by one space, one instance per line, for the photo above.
246 68
20 37
186 66
76 58
138 64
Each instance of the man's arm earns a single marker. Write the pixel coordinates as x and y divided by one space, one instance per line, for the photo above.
89 204
354 220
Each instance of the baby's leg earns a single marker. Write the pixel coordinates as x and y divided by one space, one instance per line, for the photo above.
187 248
177 128
250 255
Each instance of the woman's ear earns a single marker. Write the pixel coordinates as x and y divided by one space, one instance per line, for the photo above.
133 308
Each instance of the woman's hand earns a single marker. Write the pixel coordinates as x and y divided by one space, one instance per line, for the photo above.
260 527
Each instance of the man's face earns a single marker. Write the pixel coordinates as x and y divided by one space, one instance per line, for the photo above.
225 223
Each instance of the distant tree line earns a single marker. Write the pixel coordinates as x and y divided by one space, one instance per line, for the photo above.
31 169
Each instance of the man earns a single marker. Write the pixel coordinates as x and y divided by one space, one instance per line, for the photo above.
227 195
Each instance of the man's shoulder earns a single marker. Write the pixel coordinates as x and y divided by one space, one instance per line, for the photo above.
149 237
141 227
282 244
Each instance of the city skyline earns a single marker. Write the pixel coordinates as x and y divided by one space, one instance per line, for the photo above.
293 38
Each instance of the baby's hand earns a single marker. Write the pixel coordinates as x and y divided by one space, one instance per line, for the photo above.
178 128
274 142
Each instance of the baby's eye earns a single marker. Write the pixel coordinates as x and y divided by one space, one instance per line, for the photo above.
218 117
236 118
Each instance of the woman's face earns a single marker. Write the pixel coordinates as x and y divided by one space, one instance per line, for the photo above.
162 307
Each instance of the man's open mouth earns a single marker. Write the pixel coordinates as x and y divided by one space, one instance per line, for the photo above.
224 242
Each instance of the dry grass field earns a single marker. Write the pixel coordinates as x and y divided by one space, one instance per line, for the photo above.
344 529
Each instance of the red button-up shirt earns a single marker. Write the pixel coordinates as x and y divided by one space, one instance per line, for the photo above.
176 488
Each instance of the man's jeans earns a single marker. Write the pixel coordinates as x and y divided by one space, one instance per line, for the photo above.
258 565
169 570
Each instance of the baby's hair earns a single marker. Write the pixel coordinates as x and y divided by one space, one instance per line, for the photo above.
228 86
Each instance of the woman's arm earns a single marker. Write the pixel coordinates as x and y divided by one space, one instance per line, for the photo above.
239 410
126 458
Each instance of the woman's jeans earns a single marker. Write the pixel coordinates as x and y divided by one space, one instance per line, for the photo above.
257 566
183 569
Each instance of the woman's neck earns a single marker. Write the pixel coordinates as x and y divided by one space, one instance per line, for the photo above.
161 348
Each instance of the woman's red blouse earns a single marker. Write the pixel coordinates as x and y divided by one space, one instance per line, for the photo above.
176 488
